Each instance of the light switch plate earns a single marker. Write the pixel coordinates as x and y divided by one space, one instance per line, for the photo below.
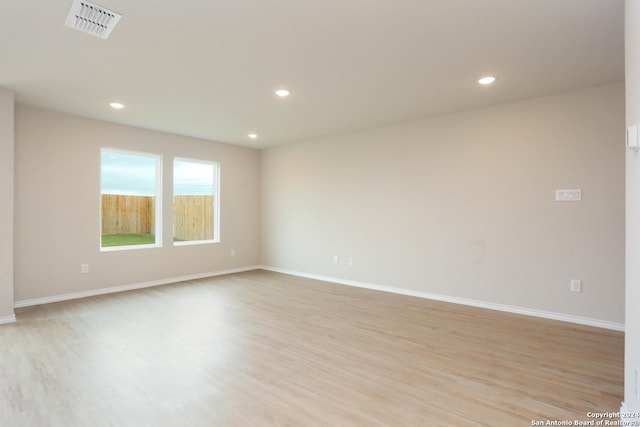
570 195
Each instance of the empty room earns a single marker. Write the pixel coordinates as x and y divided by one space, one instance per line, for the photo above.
337 213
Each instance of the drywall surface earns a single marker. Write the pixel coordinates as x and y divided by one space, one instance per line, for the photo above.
632 333
463 205
6 204
58 206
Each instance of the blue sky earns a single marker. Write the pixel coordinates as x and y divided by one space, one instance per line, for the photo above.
192 177
123 173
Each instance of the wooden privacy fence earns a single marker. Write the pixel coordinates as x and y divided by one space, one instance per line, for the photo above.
192 216
127 214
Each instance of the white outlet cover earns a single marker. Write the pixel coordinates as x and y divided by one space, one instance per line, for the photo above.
576 285
633 138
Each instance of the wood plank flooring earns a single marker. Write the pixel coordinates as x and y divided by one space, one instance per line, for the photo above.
266 349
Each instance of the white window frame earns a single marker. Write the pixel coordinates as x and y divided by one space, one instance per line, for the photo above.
216 201
158 200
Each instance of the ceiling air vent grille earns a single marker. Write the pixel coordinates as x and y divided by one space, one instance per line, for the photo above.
92 19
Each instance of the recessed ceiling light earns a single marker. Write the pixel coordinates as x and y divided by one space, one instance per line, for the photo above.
282 93
487 80
116 105
253 135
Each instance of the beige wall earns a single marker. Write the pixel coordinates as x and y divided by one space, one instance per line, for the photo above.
462 205
632 335
6 205
58 196
459 205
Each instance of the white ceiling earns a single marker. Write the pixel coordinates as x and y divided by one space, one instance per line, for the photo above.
208 68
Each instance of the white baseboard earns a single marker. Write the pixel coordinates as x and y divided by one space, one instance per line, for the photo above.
482 304
7 319
110 290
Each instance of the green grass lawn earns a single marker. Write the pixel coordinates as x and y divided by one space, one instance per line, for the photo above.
127 239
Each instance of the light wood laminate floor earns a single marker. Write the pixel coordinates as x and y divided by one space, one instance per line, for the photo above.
266 349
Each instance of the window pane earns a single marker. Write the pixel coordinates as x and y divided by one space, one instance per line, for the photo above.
194 200
129 196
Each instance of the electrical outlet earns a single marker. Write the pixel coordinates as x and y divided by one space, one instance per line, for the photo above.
350 262
336 259
576 285
633 139
84 268
232 252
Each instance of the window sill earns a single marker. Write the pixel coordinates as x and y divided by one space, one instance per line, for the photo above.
195 242
128 247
